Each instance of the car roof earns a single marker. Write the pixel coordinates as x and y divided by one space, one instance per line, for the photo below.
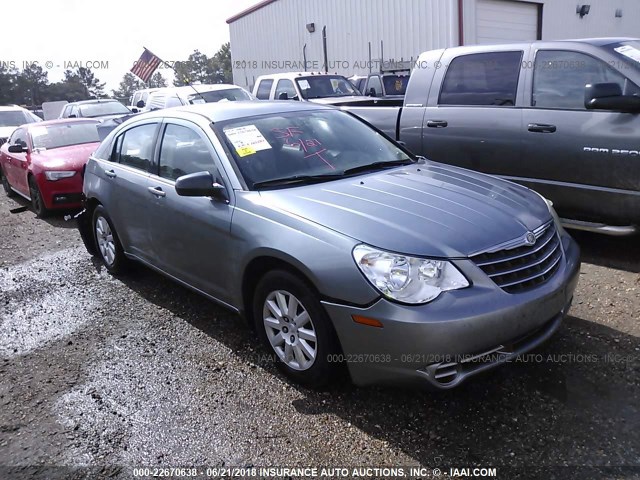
222 111
58 121
10 108
96 100
189 89
291 75
597 42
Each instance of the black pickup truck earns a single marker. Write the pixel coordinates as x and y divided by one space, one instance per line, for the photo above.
562 118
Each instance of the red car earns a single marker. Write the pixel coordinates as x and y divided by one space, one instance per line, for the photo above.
43 162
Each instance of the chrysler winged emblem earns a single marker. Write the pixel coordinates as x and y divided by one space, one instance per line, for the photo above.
529 239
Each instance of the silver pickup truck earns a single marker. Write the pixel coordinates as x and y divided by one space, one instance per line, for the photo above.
562 118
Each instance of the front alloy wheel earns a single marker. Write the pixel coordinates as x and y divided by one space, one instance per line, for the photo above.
6 185
290 330
293 324
36 199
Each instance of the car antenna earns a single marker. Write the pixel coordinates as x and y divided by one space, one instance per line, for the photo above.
186 80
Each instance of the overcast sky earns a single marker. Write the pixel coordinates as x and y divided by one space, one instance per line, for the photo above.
112 32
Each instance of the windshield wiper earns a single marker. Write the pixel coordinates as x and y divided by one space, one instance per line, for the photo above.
377 166
297 179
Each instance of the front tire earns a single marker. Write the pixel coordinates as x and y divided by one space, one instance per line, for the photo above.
6 185
293 325
107 242
36 199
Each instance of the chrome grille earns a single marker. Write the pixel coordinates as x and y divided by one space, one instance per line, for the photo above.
526 266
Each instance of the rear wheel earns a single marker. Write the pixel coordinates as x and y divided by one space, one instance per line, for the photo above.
6 185
109 246
36 199
293 325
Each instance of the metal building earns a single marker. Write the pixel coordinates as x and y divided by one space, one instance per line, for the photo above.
358 36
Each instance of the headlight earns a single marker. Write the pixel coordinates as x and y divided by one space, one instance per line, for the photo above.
553 213
407 279
57 175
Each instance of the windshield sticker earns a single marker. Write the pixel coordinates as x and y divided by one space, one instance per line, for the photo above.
247 140
629 51
197 100
304 84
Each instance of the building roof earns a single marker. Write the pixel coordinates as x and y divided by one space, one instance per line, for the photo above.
250 10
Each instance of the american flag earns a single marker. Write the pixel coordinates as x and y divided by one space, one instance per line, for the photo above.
146 65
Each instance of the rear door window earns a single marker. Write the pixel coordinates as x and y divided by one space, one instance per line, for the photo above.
482 79
135 146
264 88
560 76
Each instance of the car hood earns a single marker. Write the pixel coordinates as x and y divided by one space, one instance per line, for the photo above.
73 157
423 209
5 132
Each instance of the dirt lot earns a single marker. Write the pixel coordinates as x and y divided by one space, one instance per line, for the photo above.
119 373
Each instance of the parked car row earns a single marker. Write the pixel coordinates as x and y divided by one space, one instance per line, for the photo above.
337 241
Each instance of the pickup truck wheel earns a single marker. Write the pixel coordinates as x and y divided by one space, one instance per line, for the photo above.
107 242
36 199
292 324
6 185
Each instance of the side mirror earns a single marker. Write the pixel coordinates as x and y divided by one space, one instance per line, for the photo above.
140 104
17 148
372 92
608 96
200 184
283 96
134 110
73 115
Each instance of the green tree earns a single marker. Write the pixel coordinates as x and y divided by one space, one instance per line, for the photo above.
30 85
8 81
128 85
222 61
86 78
157 81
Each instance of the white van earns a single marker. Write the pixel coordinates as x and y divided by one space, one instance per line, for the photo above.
138 101
177 96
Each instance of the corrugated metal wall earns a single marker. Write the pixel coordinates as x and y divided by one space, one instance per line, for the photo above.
263 41
277 33
561 21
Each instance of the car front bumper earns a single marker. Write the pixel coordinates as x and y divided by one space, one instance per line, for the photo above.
460 334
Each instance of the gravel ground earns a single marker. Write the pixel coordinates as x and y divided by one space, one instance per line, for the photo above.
114 373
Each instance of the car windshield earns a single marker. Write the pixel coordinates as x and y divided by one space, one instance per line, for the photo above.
395 84
323 86
229 94
628 52
63 134
103 108
283 149
13 118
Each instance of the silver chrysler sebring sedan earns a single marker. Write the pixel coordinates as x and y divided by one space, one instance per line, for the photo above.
337 244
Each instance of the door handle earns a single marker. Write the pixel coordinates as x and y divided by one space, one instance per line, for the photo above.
541 128
110 173
157 191
437 123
